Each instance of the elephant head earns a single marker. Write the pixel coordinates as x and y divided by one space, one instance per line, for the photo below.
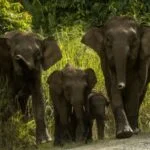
119 41
72 83
96 104
27 50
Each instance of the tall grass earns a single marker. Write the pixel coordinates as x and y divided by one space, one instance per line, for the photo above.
14 133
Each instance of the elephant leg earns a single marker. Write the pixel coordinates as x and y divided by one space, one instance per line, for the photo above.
131 101
89 130
80 130
23 99
65 112
123 129
100 128
137 130
73 124
57 130
42 135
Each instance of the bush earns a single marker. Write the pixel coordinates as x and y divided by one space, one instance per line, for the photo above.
13 16
49 15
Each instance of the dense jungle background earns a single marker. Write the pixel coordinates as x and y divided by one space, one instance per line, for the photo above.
66 20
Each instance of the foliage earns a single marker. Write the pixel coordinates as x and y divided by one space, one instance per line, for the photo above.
13 16
49 15
66 19
15 133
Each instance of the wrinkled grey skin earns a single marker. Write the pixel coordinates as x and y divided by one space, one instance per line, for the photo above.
96 105
69 88
118 45
22 55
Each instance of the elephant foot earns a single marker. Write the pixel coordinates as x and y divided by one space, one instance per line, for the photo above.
133 120
43 138
136 131
88 141
58 143
124 132
67 137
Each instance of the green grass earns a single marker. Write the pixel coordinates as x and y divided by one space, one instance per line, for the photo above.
21 135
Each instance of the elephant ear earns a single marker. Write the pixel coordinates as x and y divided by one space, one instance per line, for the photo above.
5 56
55 81
91 78
3 43
145 43
51 53
94 39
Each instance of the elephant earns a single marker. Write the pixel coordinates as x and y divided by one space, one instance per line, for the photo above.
118 44
96 105
68 90
144 60
23 55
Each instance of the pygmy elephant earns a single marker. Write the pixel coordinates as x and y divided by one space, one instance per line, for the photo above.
145 59
118 45
69 88
96 105
22 55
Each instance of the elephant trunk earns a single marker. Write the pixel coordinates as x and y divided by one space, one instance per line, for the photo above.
120 56
80 129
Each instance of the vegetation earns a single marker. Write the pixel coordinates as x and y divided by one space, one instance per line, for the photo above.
66 20
49 15
13 16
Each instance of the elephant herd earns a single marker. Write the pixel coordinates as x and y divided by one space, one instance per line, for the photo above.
123 46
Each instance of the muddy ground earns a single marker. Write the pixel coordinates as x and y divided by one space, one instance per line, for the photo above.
136 142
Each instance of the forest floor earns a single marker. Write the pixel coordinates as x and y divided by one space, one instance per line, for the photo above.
136 142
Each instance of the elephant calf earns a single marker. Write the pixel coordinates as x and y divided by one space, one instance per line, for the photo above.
69 89
96 104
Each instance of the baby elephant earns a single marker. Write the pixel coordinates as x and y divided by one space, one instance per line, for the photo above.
95 106
69 88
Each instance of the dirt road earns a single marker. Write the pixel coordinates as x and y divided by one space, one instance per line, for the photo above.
139 142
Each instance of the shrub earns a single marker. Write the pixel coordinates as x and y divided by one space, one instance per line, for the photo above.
13 16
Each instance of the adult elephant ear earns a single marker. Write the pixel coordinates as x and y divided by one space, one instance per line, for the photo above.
144 53
145 43
3 43
91 78
94 39
51 53
55 81
5 57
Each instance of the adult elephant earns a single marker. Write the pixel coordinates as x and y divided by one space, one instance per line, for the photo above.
118 45
69 89
144 59
22 55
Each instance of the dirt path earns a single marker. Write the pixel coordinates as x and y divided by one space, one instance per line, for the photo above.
137 142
